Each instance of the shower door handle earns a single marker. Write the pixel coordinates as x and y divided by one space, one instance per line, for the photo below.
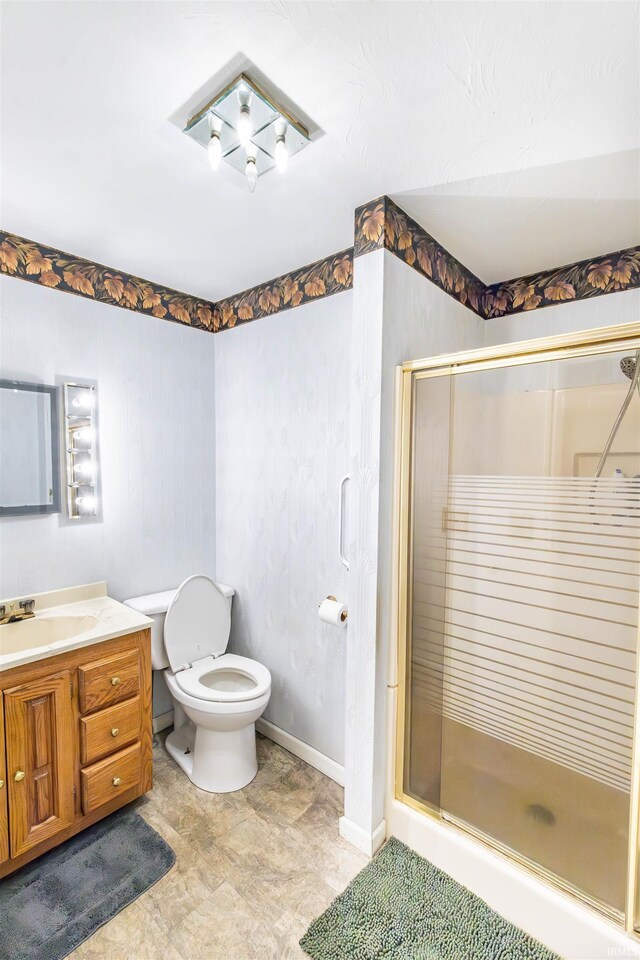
343 482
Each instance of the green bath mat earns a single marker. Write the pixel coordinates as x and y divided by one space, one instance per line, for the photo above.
401 907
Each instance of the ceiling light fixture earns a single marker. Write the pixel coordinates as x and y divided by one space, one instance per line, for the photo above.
245 126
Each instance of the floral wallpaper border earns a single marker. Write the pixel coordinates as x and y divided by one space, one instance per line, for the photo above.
52 268
382 224
610 273
379 224
28 260
319 279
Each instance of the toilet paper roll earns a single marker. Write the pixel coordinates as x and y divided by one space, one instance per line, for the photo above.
332 611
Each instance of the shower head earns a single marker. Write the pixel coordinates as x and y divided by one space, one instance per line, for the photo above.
628 366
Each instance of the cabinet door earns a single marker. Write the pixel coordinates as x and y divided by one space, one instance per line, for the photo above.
40 760
4 820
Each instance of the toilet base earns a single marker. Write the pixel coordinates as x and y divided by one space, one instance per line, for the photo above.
216 761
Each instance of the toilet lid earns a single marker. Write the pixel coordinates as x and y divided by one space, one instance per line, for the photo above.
198 622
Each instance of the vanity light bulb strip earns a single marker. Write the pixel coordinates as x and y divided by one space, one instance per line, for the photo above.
82 454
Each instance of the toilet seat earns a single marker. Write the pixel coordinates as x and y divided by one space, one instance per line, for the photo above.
197 624
225 679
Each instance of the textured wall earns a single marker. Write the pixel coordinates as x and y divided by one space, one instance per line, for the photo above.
398 315
564 318
156 434
364 491
282 410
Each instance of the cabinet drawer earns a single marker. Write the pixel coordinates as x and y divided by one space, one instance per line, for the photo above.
109 730
108 778
108 681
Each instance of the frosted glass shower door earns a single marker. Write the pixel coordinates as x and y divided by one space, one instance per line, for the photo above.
541 616
521 611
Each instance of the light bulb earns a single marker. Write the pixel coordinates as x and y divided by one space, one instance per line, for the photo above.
84 401
87 502
252 173
281 153
85 435
214 150
85 469
244 124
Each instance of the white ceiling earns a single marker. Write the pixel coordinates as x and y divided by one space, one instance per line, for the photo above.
451 108
509 224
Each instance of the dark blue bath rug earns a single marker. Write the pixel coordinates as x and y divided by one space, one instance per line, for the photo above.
52 905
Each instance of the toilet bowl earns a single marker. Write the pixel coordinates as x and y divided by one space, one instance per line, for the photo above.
217 696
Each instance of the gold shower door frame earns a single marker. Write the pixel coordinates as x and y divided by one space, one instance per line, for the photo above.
594 342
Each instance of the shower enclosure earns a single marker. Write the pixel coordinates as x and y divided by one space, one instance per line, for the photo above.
519 551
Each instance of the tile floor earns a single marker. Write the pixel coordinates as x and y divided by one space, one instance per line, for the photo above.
253 868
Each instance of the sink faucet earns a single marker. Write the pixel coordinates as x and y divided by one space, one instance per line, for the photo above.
24 611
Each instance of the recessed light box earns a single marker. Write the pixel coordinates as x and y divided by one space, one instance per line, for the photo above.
269 122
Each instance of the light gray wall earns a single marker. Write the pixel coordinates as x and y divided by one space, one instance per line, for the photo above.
603 311
282 412
156 434
398 315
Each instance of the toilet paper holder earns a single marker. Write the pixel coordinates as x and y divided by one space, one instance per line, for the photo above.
330 596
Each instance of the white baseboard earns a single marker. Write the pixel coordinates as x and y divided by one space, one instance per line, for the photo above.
330 768
362 839
162 721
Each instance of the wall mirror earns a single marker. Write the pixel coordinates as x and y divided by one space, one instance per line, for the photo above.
29 448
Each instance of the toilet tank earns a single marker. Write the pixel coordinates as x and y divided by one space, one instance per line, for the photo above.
155 606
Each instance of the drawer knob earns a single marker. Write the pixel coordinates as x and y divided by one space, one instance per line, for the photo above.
115 731
115 681
116 781
1 784
20 775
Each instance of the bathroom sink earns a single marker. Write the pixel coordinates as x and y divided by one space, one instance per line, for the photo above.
42 632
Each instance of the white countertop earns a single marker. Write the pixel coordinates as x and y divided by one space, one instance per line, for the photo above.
59 608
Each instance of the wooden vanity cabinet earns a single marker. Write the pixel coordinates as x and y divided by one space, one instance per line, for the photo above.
75 743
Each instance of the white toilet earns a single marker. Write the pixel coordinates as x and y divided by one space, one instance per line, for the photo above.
217 696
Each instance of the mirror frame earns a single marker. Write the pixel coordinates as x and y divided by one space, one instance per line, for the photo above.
54 506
